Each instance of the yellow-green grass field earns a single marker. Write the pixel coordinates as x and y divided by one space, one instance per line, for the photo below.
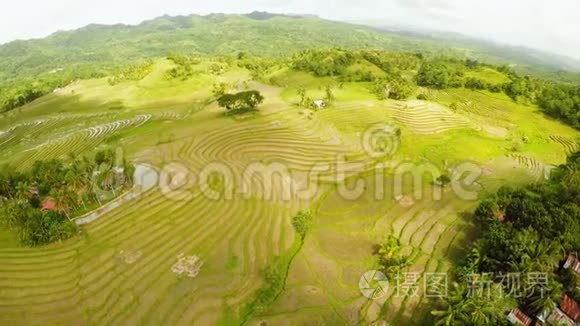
157 121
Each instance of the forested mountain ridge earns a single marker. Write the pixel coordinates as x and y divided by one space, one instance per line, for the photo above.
257 33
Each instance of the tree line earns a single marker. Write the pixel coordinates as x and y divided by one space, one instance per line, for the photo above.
133 72
38 204
524 230
561 101
19 92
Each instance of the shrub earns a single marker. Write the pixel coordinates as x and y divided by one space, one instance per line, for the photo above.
302 222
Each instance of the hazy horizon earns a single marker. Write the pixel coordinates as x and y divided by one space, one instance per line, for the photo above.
551 28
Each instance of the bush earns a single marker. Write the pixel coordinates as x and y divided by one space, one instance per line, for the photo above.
331 62
393 87
134 72
302 222
439 74
474 83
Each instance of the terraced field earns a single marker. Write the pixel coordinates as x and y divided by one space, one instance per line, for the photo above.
536 169
426 118
569 145
119 270
77 141
323 282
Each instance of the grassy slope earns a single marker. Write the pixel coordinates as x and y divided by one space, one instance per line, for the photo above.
90 283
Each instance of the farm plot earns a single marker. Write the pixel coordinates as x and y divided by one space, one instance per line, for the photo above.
428 118
94 282
183 257
569 145
324 280
77 141
535 168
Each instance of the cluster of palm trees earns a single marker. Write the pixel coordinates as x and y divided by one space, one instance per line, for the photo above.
42 200
527 232
486 305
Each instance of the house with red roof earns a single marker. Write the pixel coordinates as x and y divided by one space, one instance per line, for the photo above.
517 317
558 317
573 263
48 204
571 308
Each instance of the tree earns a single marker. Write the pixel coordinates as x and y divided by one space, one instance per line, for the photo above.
454 309
390 256
439 74
393 87
302 222
303 99
67 184
542 298
329 97
474 83
22 190
328 62
443 180
219 89
487 305
247 100
528 230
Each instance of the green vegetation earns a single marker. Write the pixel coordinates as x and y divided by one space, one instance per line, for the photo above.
184 66
443 180
395 88
134 72
266 260
440 74
39 204
26 89
302 223
561 102
476 308
391 258
323 62
240 102
529 229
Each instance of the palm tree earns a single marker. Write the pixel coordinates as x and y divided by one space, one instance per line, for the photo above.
22 190
302 94
5 184
76 184
12 211
489 305
454 311
108 179
128 172
546 254
63 200
545 298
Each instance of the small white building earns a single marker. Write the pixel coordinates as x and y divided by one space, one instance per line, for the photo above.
319 104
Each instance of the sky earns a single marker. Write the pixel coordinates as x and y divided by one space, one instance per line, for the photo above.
552 25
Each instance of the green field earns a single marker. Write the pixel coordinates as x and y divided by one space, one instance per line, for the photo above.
90 279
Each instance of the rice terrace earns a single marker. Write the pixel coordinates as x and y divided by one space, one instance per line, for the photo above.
150 176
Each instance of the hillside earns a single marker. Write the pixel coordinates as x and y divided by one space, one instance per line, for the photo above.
190 244
269 169
107 46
